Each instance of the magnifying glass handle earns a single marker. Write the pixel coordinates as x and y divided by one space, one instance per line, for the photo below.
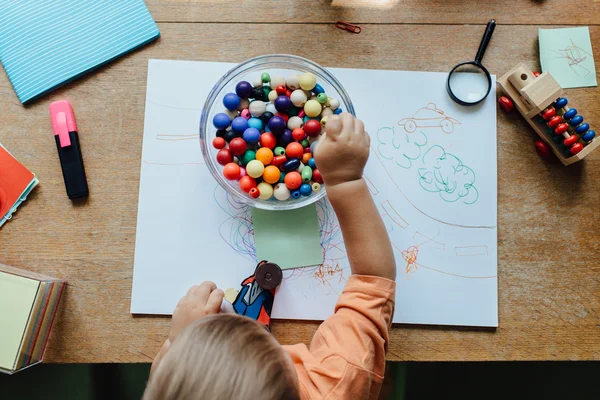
485 40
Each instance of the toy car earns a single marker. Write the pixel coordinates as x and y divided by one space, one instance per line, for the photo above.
429 117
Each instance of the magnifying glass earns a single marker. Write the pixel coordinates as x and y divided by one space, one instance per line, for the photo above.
470 82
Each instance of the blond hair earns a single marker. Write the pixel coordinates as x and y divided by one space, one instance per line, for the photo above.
224 356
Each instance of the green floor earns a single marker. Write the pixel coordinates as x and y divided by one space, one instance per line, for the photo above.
557 380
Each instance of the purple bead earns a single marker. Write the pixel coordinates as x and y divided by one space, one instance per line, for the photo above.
251 136
277 125
221 121
283 103
285 139
243 89
239 124
231 101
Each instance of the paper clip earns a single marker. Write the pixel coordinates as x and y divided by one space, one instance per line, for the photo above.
348 27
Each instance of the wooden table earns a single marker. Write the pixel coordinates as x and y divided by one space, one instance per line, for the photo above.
549 240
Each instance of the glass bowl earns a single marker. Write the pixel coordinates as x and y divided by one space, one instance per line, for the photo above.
274 64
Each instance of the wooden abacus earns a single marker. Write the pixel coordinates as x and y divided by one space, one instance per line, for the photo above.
540 100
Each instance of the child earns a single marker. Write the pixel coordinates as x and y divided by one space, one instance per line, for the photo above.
210 355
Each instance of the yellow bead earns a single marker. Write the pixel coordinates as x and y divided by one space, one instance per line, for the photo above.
312 108
324 121
307 81
266 191
315 187
255 169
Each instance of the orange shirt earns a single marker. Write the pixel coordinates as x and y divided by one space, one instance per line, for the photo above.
346 358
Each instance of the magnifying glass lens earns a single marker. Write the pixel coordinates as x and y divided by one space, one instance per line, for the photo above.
469 83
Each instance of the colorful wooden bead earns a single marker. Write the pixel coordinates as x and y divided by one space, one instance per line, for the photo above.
561 102
576 148
248 156
243 89
268 140
311 163
224 156
255 169
306 157
281 192
323 121
294 122
282 103
245 114
231 171
279 151
293 81
265 77
549 113
255 123
264 155
326 112
231 101
576 120
251 136
237 146
247 183
221 121
317 176
312 108
306 174
554 121
305 189
307 81
266 191
254 193
570 140
271 174
316 187
570 113
293 180
279 160
239 124
257 107
322 98
218 143
285 139
312 127
338 111
298 134
258 94
581 129
318 89
588 136
294 150
277 125
295 194
272 95
561 128
257 83
290 165
298 98
277 80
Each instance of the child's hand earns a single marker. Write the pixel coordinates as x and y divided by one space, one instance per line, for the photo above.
200 300
343 150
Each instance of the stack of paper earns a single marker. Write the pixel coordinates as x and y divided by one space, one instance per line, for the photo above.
16 182
28 304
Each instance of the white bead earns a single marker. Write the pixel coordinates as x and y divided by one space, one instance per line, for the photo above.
266 191
334 103
300 168
244 103
272 95
271 108
326 112
257 82
277 80
294 122
281 192
298 98
293 81
257 108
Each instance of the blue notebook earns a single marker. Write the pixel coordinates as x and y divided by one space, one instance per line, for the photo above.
44 44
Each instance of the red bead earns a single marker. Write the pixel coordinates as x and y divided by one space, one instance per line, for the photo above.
542 149
254 193
576 148
570 140
294 150
284 116
278 160
268 140
549 113
237 146
224 156
288 93
219 143
554 121
247 183
302 114
312 127
293 180
281 90
506 104
536 74
298 134
561 128
316 176
231 171
306 150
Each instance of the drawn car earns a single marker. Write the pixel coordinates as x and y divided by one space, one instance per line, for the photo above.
429 117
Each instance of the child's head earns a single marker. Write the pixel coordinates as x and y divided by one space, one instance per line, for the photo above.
224 356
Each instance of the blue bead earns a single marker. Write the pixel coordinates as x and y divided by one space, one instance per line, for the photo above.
338 111
561 102
588 136
576 120
231 101
296 194
221 121
305 189
290 165
243 89
285 139
282 103
239 124
277 125
306 118
311 162
581 129
313 146
570 114
251 135
255 123
318 89
557 138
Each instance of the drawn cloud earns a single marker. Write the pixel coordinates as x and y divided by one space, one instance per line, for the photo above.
445 174
402 147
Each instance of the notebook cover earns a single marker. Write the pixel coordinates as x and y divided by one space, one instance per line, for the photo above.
46 44
16 182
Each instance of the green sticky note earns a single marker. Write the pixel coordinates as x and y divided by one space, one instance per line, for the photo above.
17 295
567 55
289 239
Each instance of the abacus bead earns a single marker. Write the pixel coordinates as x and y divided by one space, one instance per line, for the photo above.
231 101
576 148
295 194
542 149
254 193
561 128
306 174
307 81
224 156
570 140
221 121
243 89
237 146
318 89
255 123
549 113
290 165
334 104
305 189
239 124
293 180
506 104
266 191
294 122
567 152
293 81
588 136
255 169
298 98
554 121
277 80
570 113
257 108
265 78
561 102
581 129
251 136
556 138
281 192
576 120
315 187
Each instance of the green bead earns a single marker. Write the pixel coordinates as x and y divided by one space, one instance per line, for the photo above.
267 90
248 156
279 151
567 153
541 120
306 174
322 98
293 111
265 77
282 177
550 131
557 139
305 143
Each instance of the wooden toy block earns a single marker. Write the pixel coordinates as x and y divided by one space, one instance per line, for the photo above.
541 101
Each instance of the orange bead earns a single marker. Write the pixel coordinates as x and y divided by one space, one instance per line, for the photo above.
231 171
271 174
298 134
247 183
305 158
293 180
264 155
294 150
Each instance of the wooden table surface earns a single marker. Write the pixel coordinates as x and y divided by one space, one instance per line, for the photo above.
548 214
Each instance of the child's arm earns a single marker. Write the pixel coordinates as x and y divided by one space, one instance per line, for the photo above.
341 156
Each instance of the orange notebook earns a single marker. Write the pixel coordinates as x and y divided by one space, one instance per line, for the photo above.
16 182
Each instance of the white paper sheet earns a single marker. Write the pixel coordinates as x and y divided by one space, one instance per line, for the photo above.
435 187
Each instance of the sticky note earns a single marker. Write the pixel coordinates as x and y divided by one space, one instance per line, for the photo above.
289 239
567 55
